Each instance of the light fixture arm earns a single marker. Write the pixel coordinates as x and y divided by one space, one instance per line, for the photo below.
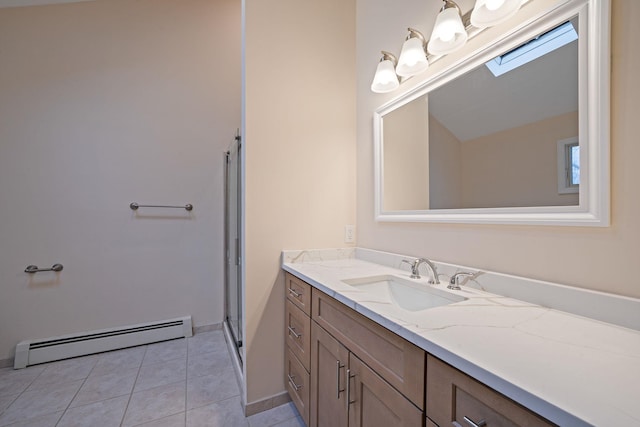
389 56
413 33
448 4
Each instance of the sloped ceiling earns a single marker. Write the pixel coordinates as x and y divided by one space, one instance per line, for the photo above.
479 104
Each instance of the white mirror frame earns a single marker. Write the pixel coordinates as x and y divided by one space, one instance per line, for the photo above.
594 117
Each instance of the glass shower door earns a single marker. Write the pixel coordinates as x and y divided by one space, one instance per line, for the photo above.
233 288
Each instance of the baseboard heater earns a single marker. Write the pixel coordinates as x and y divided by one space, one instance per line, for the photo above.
64 347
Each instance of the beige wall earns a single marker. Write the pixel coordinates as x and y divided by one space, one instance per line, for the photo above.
595 258
426 166
445 157
300 158
518 166
104 103
406 157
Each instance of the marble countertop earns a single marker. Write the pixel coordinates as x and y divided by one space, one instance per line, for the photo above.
572 370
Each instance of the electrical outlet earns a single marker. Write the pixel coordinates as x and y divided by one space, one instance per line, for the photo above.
349 233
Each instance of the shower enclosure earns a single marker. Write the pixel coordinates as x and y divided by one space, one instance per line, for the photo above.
233 288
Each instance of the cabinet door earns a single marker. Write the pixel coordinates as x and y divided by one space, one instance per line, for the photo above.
374 403
395 359
329 358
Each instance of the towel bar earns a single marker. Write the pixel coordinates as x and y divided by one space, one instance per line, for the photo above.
134 206
31 269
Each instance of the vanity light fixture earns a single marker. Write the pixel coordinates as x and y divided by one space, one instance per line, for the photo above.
413 57
448 33
487 13
385 79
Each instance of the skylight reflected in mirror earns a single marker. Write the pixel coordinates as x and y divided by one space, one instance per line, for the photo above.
540 46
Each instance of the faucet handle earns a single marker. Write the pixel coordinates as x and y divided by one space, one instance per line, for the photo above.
454 283
415 272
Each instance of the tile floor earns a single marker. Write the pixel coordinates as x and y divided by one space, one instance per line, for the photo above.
179 383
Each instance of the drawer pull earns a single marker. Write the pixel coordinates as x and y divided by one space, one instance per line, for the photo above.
338 390
294 293
349 376
293 332
295 386
472 423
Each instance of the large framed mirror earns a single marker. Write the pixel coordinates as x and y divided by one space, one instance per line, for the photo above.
517 132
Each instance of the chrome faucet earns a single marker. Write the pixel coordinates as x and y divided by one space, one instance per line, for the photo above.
415 269
454 283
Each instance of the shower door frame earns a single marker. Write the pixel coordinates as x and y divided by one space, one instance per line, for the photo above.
233 260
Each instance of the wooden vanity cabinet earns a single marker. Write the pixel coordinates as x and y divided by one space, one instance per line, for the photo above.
374 403
298 292
346 392
430 423
298 333
454 397
396 360
298 343
344 370
297 383
329 364
361 374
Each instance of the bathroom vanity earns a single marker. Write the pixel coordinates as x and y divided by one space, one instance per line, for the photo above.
354 365
359 357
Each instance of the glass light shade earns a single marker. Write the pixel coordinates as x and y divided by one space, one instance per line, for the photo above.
413 59
448 33
385 79
488 13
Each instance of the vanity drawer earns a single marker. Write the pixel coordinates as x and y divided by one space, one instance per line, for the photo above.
395 359
297 382
298 292
453 395
298 333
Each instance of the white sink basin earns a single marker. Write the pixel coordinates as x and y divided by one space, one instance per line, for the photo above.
403 293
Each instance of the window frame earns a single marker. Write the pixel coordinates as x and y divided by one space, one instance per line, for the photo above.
565 185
